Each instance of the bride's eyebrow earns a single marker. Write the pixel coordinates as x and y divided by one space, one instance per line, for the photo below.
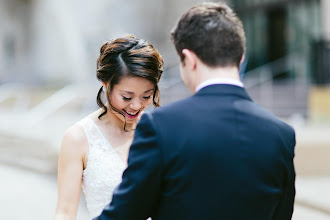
149 90
129 92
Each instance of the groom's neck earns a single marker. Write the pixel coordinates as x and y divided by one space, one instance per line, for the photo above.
208 73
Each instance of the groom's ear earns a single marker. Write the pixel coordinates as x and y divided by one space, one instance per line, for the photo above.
190 59
242 59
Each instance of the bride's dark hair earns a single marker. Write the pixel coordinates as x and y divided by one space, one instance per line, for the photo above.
127 56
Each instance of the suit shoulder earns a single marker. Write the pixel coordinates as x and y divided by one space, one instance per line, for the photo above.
283 126
280 127
290 132
287 134
267 115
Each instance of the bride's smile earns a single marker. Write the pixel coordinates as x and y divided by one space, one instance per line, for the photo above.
131 114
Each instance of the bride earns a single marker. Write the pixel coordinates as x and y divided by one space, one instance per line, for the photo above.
94 151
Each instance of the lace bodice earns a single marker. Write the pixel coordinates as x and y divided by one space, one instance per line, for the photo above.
103 172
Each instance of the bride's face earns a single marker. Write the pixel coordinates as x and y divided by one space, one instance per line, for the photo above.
131 96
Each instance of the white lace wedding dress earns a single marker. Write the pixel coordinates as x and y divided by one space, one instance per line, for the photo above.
103 172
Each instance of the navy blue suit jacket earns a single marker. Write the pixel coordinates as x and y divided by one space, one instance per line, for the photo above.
215 155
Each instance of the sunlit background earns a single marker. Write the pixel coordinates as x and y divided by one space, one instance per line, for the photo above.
48 52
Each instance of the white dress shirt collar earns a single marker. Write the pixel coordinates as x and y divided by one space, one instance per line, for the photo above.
219 81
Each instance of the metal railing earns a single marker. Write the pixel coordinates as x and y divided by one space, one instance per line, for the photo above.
263 80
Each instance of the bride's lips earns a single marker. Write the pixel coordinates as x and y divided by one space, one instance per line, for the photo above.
130 115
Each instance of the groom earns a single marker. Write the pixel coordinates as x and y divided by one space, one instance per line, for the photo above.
215 155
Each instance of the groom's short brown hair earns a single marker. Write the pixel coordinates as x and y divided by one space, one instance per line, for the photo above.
213 32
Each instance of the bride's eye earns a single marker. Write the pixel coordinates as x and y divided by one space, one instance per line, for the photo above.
147 97
126 98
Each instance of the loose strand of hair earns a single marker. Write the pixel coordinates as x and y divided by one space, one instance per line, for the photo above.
155 99
119 112
100 103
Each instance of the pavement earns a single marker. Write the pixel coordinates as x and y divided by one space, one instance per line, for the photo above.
312 198
32 186
27 194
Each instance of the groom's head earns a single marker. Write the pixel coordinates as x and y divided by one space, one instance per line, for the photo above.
213 32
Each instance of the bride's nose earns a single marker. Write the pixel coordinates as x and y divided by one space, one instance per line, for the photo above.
136 105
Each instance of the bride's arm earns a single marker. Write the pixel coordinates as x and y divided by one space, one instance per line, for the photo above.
70 169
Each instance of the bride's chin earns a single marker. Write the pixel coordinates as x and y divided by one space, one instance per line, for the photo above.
131 126
129 122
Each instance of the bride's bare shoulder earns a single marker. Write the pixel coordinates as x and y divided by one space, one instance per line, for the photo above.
74 139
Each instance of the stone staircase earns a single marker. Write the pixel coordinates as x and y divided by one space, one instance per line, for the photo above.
28 153
31 134
284 98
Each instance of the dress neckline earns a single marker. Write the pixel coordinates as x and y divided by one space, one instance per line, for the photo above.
104 139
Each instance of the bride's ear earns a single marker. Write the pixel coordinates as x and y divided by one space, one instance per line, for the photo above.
190 59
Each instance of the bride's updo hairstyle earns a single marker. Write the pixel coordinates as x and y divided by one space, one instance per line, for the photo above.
127 56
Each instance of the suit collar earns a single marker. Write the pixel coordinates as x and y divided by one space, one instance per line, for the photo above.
223 89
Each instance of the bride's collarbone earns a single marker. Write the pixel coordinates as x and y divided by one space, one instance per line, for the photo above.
121 145
119 139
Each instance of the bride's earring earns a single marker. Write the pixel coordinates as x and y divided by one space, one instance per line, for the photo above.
104 89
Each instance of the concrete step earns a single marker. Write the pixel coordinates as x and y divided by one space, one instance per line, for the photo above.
307 213
312 150
28 153
34 193
33 146
312 196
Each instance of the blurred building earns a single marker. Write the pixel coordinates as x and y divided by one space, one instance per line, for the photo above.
48 42
288 55
276 28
